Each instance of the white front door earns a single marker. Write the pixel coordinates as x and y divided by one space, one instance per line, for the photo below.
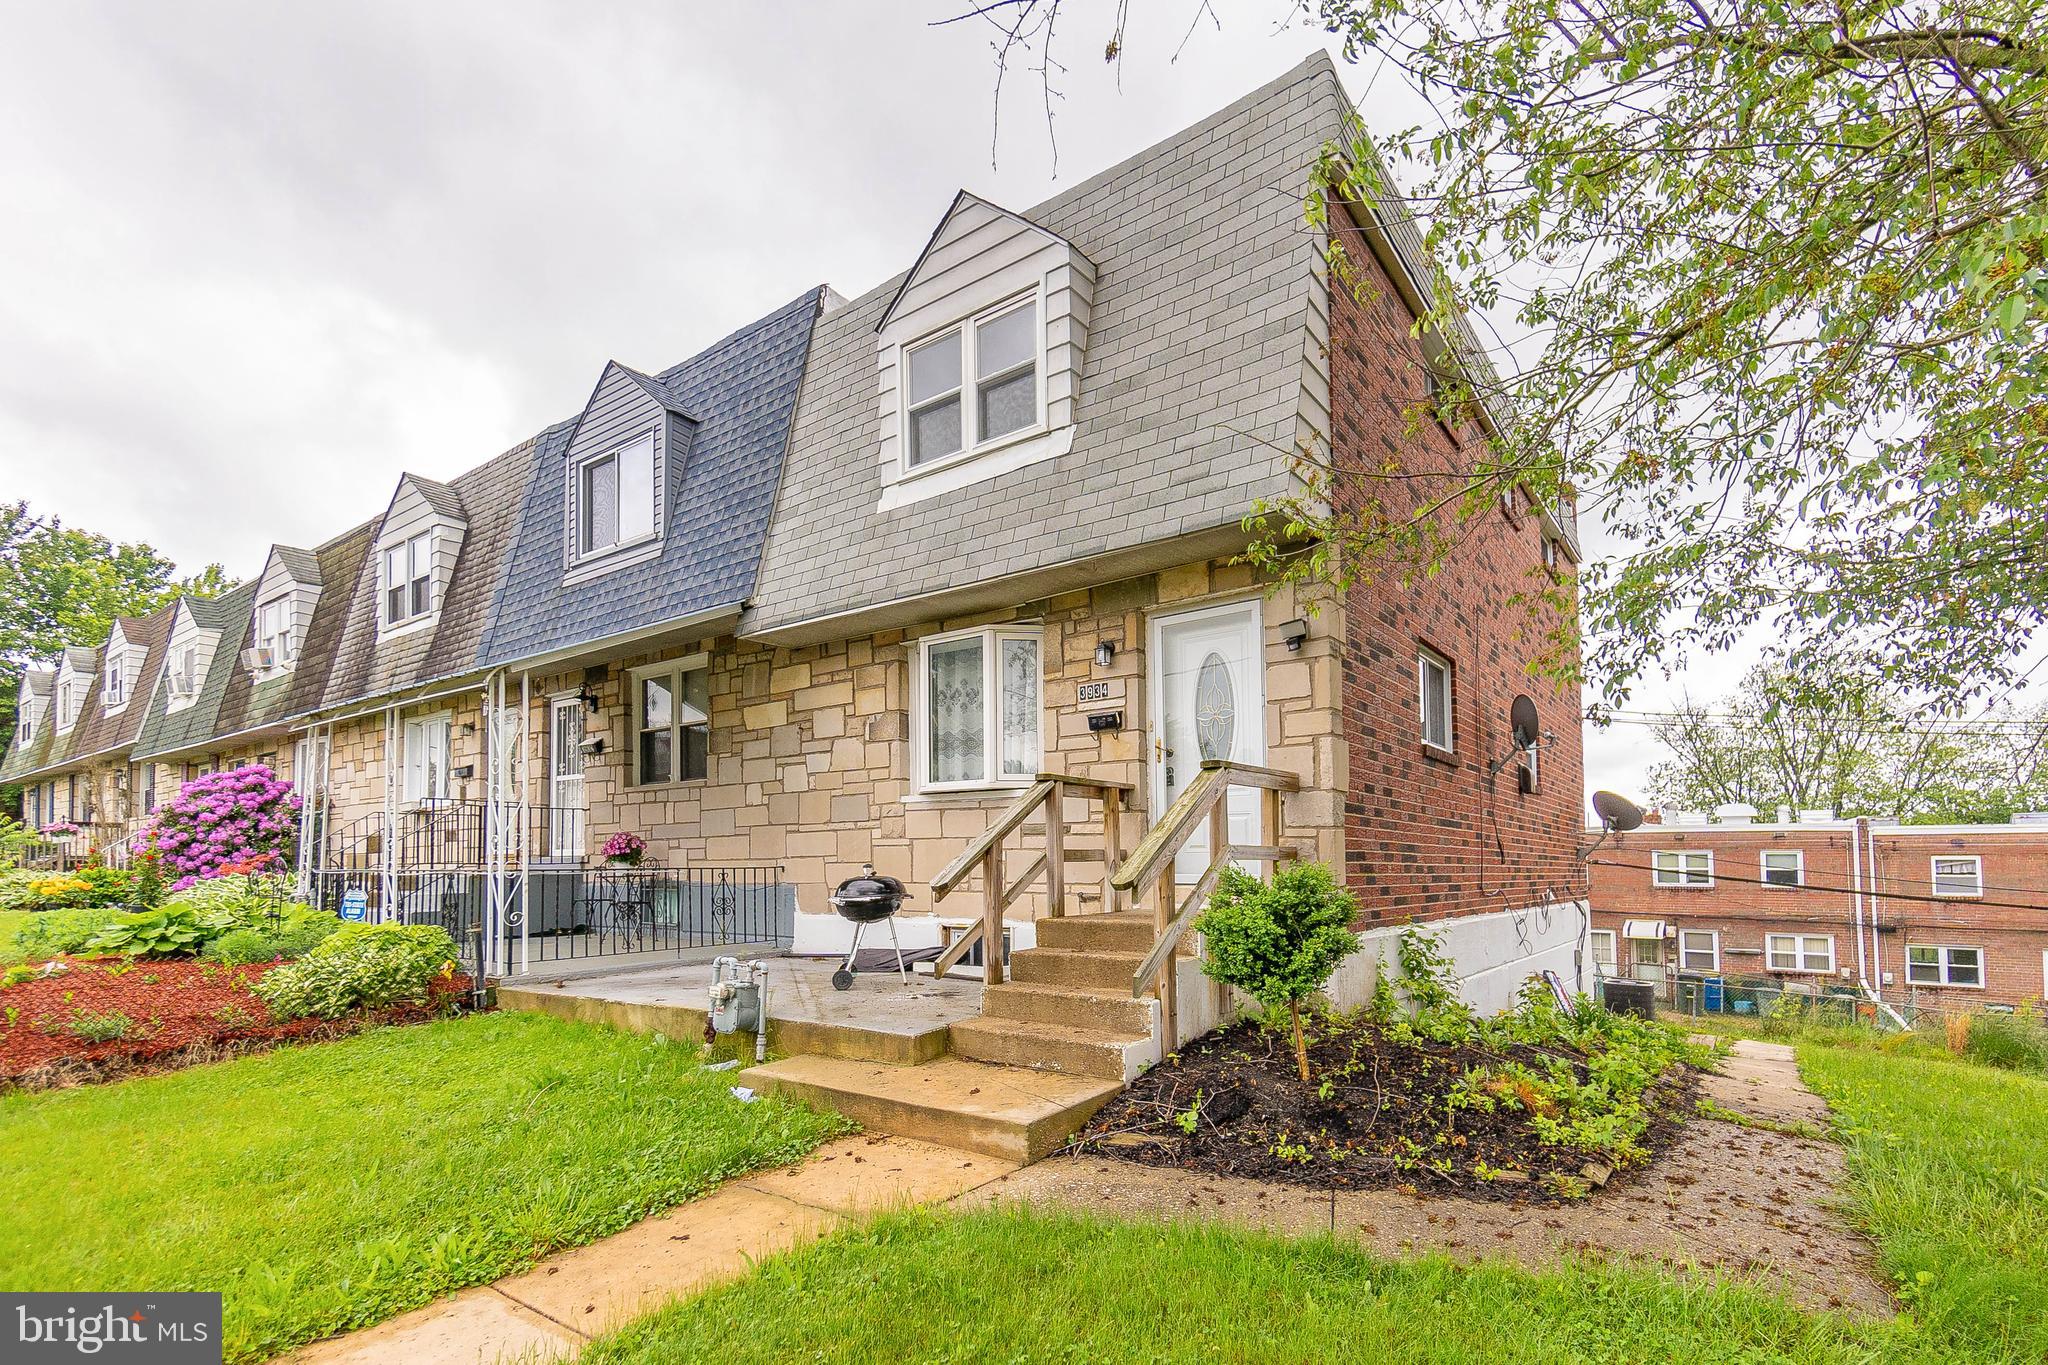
565 778
1209 701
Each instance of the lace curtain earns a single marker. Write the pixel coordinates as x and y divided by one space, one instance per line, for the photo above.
954 698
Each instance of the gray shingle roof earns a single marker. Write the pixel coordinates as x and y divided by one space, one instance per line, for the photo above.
1201 335
741 393
94 733
439 496
655 389
303 565
167 733
247 705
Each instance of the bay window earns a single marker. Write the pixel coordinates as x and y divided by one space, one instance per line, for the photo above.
971 385
672 722
977 709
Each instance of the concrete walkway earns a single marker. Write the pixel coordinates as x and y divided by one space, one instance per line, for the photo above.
551 1310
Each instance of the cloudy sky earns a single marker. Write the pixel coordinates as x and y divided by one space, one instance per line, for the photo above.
258 259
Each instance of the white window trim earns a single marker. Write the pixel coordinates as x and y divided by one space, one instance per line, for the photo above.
1944 966
1799 955
285 657
390 625
1680 881
1763 871
115 672
407 727
1613 958
578 556
688 663
969 452
1450 700
1713 949
66 705
1934 876
992 737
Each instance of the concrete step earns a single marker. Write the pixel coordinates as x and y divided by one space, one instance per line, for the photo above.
1082 968
1116 1011
1001 1111
1127 931
1064 1048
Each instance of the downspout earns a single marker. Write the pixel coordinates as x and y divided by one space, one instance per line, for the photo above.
1860 867
525 794
1876 947
390 908
1856 901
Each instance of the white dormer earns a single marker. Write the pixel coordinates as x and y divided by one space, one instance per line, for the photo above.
418 542
285 597
980 353
623 463
25 712
188 653
74 677
120 671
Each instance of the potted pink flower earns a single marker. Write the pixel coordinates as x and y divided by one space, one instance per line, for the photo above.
624 849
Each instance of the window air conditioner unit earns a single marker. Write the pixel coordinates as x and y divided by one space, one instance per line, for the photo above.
181 686
259 658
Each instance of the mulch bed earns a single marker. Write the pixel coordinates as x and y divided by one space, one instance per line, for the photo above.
1380 1126
179 1013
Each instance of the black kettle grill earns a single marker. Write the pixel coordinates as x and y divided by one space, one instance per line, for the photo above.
865 900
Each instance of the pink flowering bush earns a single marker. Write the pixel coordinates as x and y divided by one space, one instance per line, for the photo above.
241 820
625 847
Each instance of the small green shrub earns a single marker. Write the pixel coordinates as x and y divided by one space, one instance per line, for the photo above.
299 928
231 902
360 966
2015 1042
61 931
99 1028
1279 942
18 973
167 931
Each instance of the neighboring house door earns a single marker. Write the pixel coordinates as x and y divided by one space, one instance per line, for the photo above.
1646 959
1209 698
565 778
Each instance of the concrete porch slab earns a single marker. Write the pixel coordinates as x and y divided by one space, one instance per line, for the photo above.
880 1019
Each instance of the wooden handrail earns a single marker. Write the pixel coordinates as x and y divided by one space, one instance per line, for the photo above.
1101 784
1019 810
1166 837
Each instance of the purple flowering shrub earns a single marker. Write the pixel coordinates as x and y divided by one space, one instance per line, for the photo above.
239 821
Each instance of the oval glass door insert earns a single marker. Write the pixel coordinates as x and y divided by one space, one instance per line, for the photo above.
1215 708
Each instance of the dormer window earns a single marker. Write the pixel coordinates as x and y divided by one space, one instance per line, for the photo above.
114 690
185 672
999 349
67 704
25 725
409 580
616 498
276 640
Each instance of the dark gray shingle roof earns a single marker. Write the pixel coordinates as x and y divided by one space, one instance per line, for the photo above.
742 393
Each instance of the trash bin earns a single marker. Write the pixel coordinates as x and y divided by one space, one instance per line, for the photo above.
1631 997
1710 995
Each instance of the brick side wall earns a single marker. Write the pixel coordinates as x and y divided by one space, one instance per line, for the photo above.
2008 923
1430 835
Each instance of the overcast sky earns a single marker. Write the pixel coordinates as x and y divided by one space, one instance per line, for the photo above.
258 259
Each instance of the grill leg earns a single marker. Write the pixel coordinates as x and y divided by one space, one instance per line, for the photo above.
854 951
897 943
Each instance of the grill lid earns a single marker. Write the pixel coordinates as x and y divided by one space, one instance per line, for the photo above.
868 887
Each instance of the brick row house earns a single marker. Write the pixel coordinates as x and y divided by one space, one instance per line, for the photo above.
1928 916
874 577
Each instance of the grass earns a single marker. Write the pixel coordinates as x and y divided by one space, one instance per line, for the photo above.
328 1187
1949 1164
1949 1169
11 923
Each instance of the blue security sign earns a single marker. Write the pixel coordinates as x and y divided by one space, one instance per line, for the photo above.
355 905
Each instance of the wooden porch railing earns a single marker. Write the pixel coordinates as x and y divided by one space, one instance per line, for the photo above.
1151 865
1048 794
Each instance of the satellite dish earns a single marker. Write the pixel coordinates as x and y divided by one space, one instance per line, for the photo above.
1522 715
1618 814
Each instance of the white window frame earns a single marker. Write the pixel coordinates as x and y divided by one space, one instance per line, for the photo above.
417 554
1713 950
1445 694
1799 952
1613 958
1763 867
674 670
968 390
993 778
67 705
185 667
421 783
1934 875
282 638
1679 877
581 553
114 681
1944 965
25 720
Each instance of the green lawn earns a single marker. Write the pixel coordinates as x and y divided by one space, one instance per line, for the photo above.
327 1187
1950 1170
1949 1173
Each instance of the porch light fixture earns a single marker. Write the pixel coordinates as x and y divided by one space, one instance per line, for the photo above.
1105 651
588 698
1292 633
